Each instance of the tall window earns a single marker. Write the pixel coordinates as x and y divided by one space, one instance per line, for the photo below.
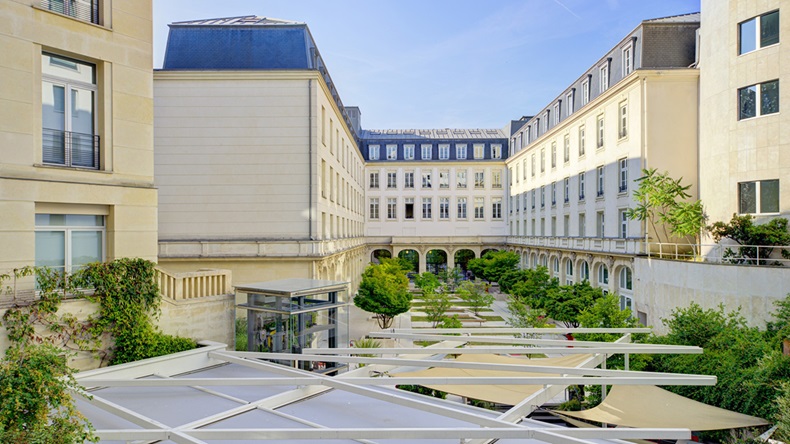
568 272
758 32
758 100
584 271
603 83
586 91
392 179
554 154
460 151
542 160
374 180
566 148
600 131
524 169
555 267
603 275
496 179
533 165
557 113
392 208
392 152
479 150
625 280
623 174
67 242
758 197
444 208
542 196
461 208
599 180
374 208
68 99
581 186
480 179
628 59
426 149
373 152
533 199
408 179
460 179
623 216
444 179
408 152
581 141
622 123
426 179
444 151
553 193
569 104
566 190
496 151
496 208
427 211
479 208
599 224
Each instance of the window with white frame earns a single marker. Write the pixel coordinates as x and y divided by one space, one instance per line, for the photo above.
460 151
603 276
599 225
479 150
426 180
553 194
373 152
461 208
584 271
496 179
533 199
496 151
444 208
557 113
582 225
479 208
568 272
566 148
555 267
569 103
581 185
758 32
517 142
408 179
542 160
554 154
566 194
496 208
626 288
392 152
408 152
68 112
480 179
374 180
600 127
524 169
622 123
427 210
628 59
444 151
586 91
392 208
758 100
603 77
623 224
623 174
374 208
599 181
542 196
546 121
581 141
392 179
444 179
67 242
408 208
426 151
460 178
758 197
533 165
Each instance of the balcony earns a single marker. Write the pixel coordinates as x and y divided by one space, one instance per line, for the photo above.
70 149
85 10
590 244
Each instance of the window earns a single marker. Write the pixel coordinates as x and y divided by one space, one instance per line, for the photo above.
566 148
444 208
480 179
568 272
542 160
392 179
581 186
392 152
623 224
553 193
582 225
392 208
603 275
496 151
622 123
460 151
426 149
533 199
533 164
542 196
758 197
555 267
569 103
584 271
496 179
581 141
374 181
479 208
373 152
566 225
67 242
408 179
623 174
603 79
625 279
599 182
426 179
461 208
759 32
444 179
599 225
566 190
408 152
479 150
68 101
427 211
546 121
628 59
557 113
444 151
496 208
586 91
554 154
600 131
460 178
86 10
758 100
524 169
374 208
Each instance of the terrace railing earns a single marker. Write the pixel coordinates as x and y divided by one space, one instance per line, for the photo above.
195 284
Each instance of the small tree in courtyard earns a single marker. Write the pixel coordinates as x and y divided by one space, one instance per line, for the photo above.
436 305
474 294
427 282
384 290
494 264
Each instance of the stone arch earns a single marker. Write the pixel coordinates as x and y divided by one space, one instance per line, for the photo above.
601 274
413 256
380 253
486 250
582 270
436 260
462 258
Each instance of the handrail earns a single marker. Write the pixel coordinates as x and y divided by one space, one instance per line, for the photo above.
194 284
721 253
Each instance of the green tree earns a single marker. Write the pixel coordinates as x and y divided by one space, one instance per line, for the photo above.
744 231
534 286
36 404
662 200
783 413
566 302
494 264
384 291
462 258
427 282
436 305
474 294
451 278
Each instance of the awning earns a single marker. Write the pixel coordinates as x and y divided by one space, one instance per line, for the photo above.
500 394
649 406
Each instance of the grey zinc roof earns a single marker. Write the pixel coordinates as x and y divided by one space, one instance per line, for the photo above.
240 20
693 17
446 133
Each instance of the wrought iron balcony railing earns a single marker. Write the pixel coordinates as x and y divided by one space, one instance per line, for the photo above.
86 10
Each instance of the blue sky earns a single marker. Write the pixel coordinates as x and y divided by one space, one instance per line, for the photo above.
444 63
